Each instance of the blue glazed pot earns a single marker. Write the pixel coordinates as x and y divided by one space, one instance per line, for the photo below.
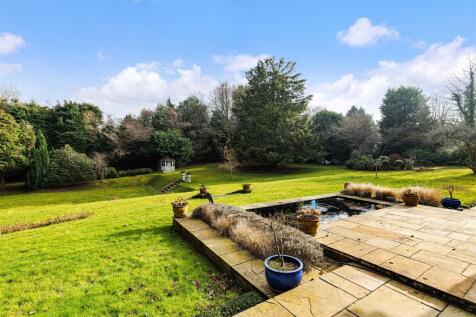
282 281
451 203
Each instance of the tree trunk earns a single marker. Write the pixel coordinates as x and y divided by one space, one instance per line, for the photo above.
2 182
473 166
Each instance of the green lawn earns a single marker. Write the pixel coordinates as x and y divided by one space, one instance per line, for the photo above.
125 260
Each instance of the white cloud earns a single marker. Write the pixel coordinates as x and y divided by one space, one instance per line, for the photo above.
430 71
364 33
178 63
142 85
9 69
10 43
238 63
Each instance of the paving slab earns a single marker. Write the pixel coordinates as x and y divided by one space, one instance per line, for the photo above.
441 261
269 308
417 295
352 247
316 298
405 250
345 285
406 266
447 281
378 256
378 304
364 278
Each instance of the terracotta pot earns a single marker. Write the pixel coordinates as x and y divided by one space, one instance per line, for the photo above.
180 211
308 223
410 199
246 188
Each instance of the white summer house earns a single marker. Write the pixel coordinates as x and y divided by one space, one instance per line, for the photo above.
167 164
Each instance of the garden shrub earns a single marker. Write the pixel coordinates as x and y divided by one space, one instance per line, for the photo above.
111 173
138 171
70 167
424 157
383 163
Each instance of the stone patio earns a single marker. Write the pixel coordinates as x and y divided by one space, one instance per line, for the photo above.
433 249
346 291
353 292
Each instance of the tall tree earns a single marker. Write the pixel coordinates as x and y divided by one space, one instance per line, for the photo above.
16 140
172 143
406 120
222 121
165 117
195 125
324 125
76 124
40 163
463 93
272 125
133 141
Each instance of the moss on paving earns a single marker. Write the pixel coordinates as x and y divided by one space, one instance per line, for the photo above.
125 260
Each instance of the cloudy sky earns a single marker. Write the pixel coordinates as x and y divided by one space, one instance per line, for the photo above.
123 55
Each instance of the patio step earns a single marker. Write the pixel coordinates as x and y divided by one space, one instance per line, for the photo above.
170 186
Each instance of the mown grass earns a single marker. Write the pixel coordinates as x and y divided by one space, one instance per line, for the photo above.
125 260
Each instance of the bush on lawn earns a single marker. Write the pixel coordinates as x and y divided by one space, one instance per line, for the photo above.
134 172
70 167
252 232
111 173
383 163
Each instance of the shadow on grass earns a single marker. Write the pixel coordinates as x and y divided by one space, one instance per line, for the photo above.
137 233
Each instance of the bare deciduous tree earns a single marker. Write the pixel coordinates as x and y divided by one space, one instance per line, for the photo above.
100 164
231 161
463 94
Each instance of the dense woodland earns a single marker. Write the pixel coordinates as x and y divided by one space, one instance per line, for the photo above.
266 123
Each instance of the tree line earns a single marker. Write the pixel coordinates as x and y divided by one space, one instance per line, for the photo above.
266 123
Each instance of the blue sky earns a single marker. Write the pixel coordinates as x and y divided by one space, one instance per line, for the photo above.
125 54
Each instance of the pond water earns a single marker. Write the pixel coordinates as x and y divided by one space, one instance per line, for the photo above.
332 208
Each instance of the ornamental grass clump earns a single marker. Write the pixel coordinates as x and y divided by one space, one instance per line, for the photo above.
252 232
359 189
386 193
428 196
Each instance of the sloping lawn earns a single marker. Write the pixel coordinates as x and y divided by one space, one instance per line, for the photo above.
125 260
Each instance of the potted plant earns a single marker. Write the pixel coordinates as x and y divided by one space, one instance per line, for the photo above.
410 197
451 202
203 191
180 207
283 272
308 220
247 188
